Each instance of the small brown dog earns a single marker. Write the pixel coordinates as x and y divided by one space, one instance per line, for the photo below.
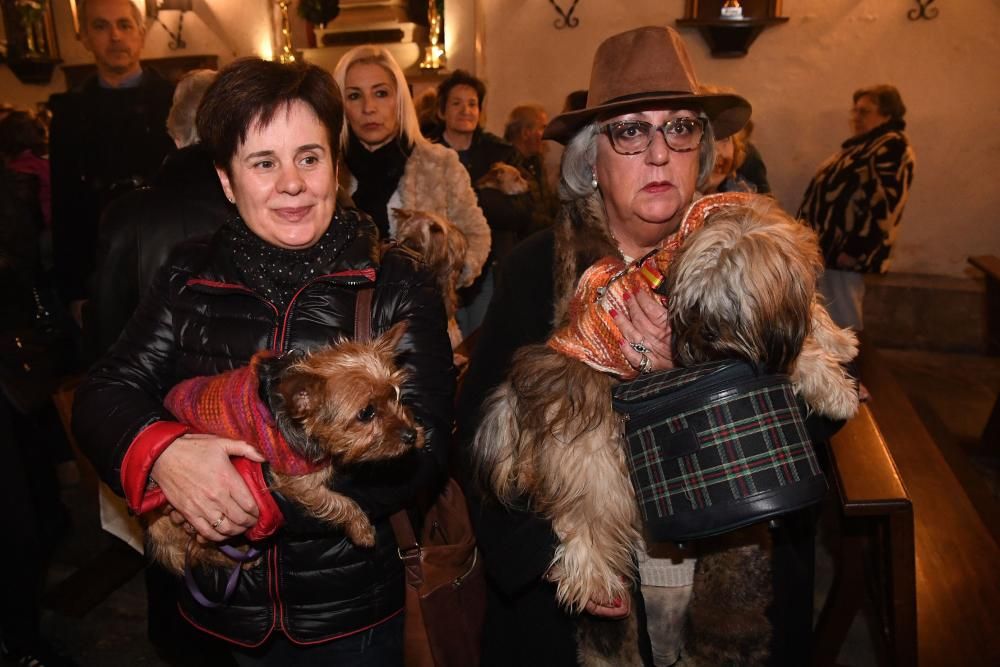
333 407
505 178
443 247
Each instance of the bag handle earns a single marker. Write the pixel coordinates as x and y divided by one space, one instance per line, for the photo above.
363 315
406 541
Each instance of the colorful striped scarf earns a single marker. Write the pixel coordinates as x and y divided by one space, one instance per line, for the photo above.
591 335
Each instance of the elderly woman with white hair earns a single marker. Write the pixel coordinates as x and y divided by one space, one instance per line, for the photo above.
636 157
391 165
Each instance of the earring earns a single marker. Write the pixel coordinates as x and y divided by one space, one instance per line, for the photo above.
232 200
593 180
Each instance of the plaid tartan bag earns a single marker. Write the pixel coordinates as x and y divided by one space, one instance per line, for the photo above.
715 447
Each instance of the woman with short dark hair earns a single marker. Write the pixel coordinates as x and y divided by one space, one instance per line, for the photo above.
283 274
886 98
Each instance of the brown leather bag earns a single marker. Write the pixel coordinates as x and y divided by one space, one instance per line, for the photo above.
445 580
445 584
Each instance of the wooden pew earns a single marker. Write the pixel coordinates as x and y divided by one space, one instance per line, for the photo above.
875 545
990 266
956 560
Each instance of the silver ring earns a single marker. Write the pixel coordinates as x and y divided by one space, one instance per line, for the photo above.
640 347
218 522
645 366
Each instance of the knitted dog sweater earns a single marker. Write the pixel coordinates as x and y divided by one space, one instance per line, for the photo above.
229 405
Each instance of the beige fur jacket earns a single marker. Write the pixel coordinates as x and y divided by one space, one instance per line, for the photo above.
435 181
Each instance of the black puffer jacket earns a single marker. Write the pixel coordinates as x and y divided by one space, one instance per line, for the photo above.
197 319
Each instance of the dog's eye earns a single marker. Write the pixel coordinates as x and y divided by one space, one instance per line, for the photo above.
367 413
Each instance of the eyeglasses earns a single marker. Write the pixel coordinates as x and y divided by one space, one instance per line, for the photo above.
631 137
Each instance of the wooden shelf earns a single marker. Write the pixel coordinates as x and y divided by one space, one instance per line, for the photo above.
730 38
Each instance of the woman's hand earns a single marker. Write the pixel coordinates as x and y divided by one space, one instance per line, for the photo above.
203 487
617 608
645 329
620 607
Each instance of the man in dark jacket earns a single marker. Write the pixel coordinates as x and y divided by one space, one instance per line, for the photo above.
108 137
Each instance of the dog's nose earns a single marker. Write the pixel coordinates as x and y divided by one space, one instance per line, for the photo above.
408 436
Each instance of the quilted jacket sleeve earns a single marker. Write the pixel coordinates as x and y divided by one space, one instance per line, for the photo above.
123 393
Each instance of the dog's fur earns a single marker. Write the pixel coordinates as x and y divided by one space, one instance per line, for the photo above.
550 439
742 286
505 178
338 404
727 622
558 453
443 248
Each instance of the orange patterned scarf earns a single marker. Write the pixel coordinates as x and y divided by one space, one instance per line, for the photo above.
591 335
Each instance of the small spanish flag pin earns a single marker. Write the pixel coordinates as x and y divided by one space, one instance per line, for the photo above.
651 275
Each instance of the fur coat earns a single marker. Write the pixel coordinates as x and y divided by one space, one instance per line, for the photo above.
435 181
855 201
534 288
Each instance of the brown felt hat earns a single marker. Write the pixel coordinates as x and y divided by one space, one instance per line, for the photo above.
641 67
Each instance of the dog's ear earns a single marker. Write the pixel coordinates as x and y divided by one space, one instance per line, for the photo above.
302 393
270 368
389 341
402 214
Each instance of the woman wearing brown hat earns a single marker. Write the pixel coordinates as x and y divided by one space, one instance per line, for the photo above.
635 158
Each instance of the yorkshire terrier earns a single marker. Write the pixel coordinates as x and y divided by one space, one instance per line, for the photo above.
442 247
505 178
310 415
742 285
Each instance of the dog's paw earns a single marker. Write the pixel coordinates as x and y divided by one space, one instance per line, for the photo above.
361 533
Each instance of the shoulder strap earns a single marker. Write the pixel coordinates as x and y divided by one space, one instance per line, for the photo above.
409 548
363 315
